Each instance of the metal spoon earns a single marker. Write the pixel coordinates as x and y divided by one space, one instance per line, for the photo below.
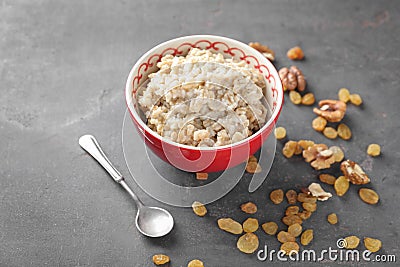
150 221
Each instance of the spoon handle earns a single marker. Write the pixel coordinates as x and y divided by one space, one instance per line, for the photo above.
89 143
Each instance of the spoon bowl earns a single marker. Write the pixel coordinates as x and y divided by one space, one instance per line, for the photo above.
154 221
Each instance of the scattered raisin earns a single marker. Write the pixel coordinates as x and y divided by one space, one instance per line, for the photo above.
306 237
344 95
250 225
280 133
199 209
230 226
284 237
276 196
344 131
332 218
160 259
327 178
356 99
374 150
295 53
290 248
247 243
372 244
308 99
295 97
351 242
249 208
289 149
195 263
319 124
292 210
295 229
270 228
291 196
253 167
341 186
330 132
369 196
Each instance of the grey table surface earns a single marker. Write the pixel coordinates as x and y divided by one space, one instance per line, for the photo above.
63 69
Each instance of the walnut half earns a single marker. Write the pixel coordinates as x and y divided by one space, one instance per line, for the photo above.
331 110
353 172
320 156
292 78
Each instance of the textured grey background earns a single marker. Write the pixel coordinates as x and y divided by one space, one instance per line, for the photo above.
63 69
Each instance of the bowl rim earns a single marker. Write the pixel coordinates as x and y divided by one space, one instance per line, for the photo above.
267 125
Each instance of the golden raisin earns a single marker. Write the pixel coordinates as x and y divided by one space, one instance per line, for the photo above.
284 237
160 259
319 123
332 218
344 131
280 133
341 186
305 144
195 263
276 196
306 237
292 210
270 228
305 214
295 53
330 132
337 153
199 209
308 99
292 219
295 229
230 226
290 248
344 95
372 244
302 197
248 243
356 99
327 178
351 242
310 206
249 208
250 225
201 176
295 97
291 196
252 158
253 167
374 150
369 196
289 149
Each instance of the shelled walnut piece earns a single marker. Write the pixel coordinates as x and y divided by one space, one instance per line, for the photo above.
320 156
331 110
354 173
263 49
317 191
292 78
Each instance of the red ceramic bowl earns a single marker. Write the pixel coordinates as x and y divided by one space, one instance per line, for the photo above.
203 159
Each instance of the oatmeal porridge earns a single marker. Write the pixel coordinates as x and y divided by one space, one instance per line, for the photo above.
204 99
